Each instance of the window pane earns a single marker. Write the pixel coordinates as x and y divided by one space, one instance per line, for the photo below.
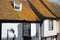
26 28
50 24
16 7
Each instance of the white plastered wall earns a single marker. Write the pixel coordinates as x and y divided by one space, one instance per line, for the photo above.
46 32
17 27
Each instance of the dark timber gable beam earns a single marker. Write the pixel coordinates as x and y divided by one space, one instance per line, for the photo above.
40 16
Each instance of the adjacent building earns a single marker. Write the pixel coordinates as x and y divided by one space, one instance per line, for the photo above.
52 31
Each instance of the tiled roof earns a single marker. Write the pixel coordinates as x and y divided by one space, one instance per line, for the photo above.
41 8
7 12
54 7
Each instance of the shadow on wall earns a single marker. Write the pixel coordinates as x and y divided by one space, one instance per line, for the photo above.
20 32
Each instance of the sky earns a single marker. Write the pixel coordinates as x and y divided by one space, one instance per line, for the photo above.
57 1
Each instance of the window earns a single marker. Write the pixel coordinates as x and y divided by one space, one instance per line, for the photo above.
16 5
50 24
26 29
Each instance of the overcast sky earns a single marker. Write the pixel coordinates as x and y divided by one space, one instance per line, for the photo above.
57 1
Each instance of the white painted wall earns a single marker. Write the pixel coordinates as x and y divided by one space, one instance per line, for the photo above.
51 38
15 26
35 27
48 38
58 27
35 30
54 38
48 32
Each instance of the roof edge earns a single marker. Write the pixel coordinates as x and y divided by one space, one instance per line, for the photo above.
18 21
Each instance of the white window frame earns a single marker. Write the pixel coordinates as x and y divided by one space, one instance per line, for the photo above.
20 9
